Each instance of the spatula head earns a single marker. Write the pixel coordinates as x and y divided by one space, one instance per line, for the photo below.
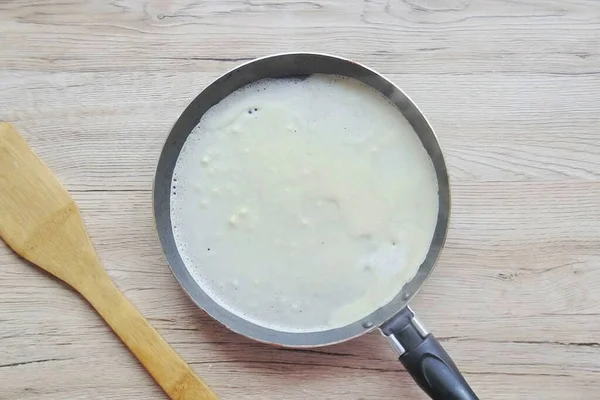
38 218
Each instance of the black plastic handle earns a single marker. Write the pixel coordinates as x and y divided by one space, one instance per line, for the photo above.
425 358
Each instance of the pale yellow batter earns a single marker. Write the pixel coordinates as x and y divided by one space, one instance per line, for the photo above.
303 205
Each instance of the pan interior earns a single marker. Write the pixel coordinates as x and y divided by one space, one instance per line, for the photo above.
162 205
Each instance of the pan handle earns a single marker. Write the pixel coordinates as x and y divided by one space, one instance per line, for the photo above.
425 359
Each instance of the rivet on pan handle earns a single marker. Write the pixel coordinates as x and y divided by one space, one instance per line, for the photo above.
425 358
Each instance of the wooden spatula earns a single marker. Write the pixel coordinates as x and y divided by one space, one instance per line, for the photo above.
40 221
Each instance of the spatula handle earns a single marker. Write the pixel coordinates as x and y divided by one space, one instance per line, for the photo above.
162 362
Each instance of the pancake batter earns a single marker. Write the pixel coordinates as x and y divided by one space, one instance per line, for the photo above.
303 204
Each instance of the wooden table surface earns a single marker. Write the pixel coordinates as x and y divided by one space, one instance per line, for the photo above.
513 91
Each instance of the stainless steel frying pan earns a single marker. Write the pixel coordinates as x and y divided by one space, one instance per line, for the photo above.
418 350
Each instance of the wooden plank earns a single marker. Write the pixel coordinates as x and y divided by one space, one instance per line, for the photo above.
104 131
509 290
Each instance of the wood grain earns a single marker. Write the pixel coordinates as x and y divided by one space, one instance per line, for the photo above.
41 223
512 91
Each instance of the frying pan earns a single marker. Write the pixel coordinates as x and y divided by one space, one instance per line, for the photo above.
418 350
